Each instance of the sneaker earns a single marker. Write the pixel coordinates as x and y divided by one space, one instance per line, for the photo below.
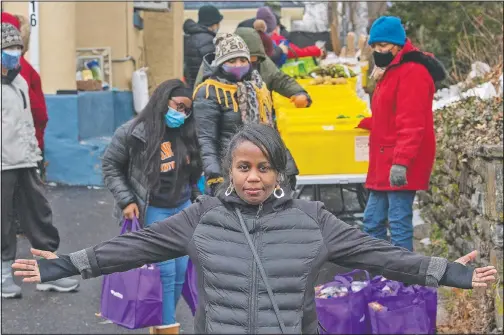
60 285
9 288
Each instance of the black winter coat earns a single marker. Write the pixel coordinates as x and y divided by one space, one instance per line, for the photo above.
198 41
293 239
217 123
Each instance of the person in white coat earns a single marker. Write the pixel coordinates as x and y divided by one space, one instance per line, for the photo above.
20 156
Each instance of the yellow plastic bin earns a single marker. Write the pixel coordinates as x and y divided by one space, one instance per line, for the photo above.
328 100
323 144
351 84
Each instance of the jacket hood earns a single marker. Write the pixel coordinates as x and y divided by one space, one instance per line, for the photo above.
191 28
208 69
410 53
253 41
271 204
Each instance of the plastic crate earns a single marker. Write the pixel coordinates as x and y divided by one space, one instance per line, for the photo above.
324 89
321 143
327 99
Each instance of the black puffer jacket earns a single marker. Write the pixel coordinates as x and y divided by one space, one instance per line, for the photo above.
217 123
293 239
198 41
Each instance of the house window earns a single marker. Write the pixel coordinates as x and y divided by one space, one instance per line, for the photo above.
162 6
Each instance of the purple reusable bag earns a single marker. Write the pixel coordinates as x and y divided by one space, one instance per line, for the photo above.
344 315
429 294
405 301
133 299
405 314
190 287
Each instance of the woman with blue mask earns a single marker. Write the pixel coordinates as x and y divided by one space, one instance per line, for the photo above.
232 94
152 167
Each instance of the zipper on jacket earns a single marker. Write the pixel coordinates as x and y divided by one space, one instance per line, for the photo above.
259 211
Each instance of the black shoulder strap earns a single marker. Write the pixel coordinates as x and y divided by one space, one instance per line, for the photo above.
262 272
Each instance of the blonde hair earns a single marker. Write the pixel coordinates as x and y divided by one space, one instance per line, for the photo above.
24 28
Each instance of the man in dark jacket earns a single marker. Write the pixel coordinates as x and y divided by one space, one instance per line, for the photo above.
198 40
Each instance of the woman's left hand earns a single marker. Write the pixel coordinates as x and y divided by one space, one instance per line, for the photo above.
481 276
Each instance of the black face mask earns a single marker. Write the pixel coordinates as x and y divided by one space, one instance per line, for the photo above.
382 59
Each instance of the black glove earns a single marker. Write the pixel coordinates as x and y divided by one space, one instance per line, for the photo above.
457 275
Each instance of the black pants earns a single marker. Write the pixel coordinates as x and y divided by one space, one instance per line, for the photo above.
33 209
41 167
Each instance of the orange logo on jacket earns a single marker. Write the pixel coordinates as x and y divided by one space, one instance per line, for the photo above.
166 153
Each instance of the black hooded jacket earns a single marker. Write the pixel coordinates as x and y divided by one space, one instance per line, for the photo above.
198 41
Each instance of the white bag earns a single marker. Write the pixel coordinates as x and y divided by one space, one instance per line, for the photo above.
140 87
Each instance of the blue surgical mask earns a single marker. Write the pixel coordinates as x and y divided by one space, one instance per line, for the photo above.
10 59
174 119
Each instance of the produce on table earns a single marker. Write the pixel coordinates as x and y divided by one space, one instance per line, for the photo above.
333 74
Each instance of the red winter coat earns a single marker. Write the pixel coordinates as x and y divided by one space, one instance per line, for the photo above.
294 50
402 125
37 99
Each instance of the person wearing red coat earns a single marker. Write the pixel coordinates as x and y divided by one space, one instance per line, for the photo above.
36 95
402 144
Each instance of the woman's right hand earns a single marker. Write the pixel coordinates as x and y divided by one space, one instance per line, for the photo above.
131 211
29 267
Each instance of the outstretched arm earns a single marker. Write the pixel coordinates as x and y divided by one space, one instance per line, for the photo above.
162 241
349 247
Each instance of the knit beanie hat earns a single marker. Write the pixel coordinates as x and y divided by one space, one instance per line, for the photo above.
209 15
10 36
265 14
229 46
387 29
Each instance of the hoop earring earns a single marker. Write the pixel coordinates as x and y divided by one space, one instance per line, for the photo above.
278 192
229 190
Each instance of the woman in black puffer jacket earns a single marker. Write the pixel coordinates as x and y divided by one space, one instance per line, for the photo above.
232 94
257 252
